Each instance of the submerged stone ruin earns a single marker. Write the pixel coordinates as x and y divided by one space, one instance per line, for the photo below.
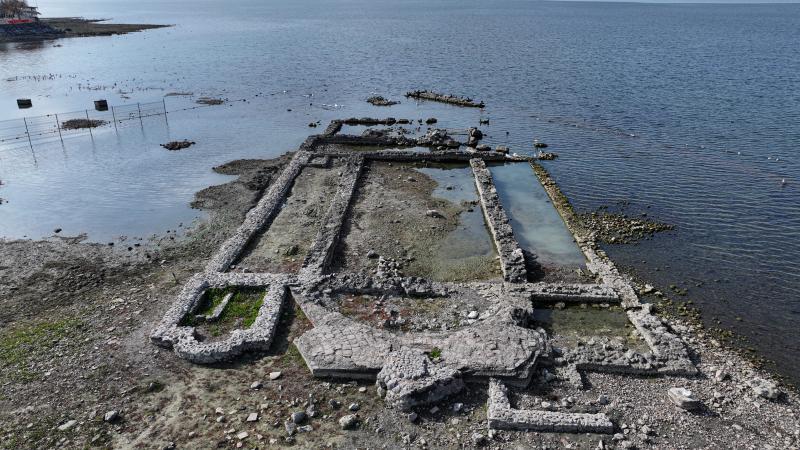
444 98
497 345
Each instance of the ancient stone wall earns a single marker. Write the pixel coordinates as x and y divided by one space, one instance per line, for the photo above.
512 260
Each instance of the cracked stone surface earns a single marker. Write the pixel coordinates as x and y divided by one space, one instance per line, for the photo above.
409 378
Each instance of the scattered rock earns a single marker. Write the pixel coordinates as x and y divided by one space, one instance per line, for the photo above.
252 417
111 416
452 99
274 375
354 407
348 422
178 145
615 228
256 385
67 425
478 439
434 213
378 100
298 417
547 156
764 388
683 398
431 121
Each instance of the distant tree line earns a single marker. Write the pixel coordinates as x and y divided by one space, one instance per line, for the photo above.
16 8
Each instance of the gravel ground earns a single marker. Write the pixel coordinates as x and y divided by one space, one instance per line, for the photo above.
74 349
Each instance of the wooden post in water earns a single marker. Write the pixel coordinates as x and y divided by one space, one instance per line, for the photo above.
114 116
164 102
89 123
28 133
58 126
139 105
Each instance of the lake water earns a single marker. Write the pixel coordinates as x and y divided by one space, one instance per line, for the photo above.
688 112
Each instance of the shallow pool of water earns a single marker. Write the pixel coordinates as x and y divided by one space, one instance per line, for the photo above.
573 323
471 237
537 225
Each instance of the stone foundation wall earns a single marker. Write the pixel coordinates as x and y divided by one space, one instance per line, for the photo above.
321 252
259 335
260 216
512 260
502 416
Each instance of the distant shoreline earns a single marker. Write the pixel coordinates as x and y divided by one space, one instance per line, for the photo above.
67 27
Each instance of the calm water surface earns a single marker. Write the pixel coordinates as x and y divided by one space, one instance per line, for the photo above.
687 112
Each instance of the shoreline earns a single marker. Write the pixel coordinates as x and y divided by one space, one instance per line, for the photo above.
121 333
669 309
70 27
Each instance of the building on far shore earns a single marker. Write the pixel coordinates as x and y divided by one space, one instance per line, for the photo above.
16 12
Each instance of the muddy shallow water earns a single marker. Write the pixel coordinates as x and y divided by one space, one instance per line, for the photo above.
406 212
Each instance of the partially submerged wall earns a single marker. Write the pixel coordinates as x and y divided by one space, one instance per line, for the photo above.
499 345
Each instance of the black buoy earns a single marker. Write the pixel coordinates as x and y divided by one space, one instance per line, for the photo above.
24 103
101 105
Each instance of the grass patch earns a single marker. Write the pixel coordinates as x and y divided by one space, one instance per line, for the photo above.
292 357
244 305
20 344
436 352
210 300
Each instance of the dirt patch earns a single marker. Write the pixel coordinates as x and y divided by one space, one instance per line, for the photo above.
77 124
396 216
178 145
412 314
209 101
283 246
